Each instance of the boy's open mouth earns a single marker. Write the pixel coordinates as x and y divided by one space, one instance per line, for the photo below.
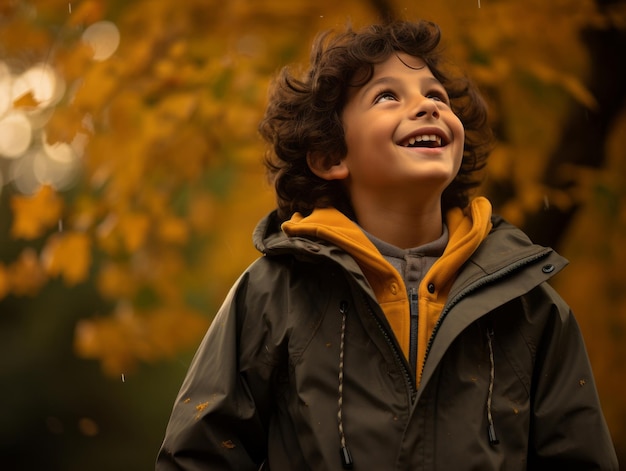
423 140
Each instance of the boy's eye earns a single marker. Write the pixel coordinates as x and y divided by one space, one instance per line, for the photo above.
385 96
438 96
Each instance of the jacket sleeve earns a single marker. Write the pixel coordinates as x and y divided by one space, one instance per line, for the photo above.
219 419
568 429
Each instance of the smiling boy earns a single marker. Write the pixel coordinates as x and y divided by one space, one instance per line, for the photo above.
405 146
393 322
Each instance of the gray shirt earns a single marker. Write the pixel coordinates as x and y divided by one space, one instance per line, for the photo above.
414 263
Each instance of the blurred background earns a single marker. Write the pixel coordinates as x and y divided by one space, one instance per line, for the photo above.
131 180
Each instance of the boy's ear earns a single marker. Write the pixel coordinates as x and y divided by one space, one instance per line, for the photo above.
326 167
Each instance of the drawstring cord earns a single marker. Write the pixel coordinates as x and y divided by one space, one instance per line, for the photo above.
491 431
346 457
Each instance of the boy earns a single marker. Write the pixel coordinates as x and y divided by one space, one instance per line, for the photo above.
393 323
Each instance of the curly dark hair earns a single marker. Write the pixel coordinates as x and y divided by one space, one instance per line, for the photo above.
304 114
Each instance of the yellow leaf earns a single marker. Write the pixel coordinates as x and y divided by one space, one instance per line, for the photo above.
173 230
133 229
202 209
116 281
64 124
68 254
26 276
86 12
122 340
33 215
27 100
174 329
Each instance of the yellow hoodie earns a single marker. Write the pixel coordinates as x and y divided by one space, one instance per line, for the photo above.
467 230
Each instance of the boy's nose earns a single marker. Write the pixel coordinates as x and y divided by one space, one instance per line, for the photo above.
427 107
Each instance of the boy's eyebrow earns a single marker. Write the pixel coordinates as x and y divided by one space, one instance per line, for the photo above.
390 80
386 80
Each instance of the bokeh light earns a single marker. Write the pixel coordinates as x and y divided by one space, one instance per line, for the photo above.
29 96
5 88
15 134
104 39
42 82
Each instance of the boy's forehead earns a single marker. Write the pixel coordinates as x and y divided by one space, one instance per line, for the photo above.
399 62
362 78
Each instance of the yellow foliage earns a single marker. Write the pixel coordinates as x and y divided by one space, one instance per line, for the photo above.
5 285
202 213
68 254
122 340
26 275
34 215
116 281
64 124
27 100
173 230
85 12
569 82
133 230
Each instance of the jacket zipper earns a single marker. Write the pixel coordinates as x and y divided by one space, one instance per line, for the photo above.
474 286
408 377
413 328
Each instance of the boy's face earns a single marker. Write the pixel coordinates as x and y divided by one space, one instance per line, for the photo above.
402 137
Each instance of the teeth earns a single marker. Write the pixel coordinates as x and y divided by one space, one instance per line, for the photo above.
425 137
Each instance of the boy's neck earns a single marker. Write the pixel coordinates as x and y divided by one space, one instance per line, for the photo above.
403 227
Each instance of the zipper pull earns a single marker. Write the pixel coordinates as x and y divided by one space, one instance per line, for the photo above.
413 311
413 299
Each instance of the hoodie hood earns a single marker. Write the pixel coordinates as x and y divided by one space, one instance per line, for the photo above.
467 227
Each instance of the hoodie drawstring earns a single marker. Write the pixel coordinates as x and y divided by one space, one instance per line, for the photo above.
346 457
491 430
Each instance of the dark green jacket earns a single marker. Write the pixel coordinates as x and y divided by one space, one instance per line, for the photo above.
507 358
